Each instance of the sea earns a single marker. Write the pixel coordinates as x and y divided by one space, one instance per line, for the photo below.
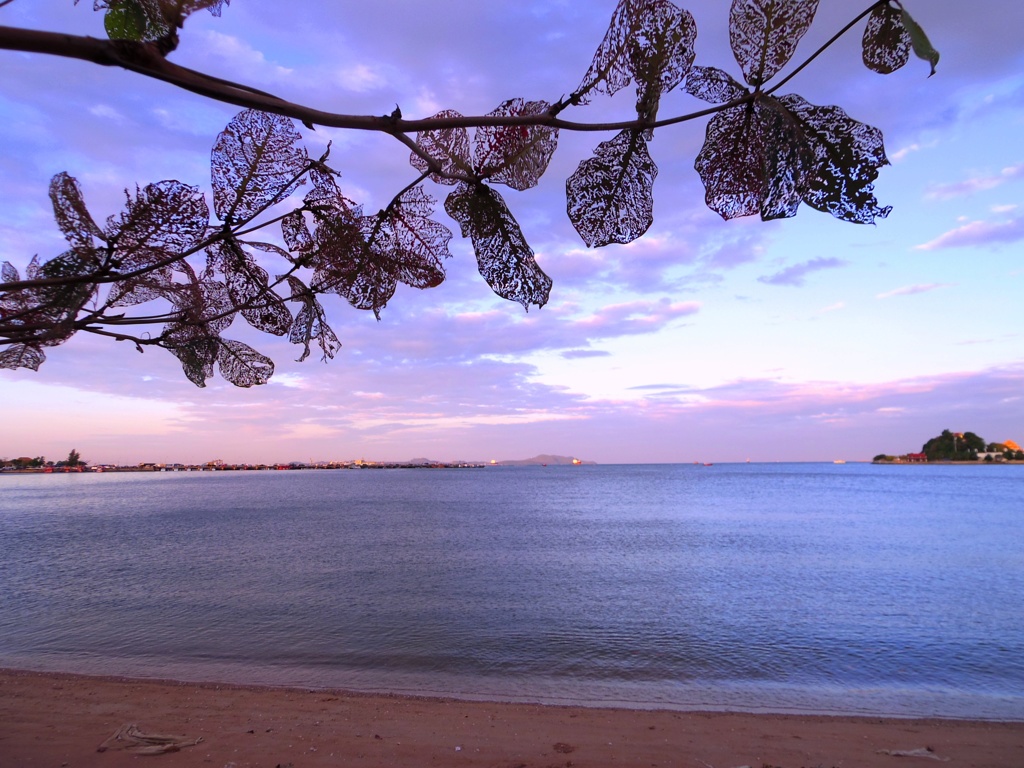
807 588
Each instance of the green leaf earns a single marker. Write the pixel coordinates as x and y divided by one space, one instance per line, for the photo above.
919 40
125 21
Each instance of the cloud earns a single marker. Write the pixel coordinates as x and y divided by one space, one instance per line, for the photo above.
218 51
976 184
796 275
361 78
901 153
909 290
832 308
978 233
577 354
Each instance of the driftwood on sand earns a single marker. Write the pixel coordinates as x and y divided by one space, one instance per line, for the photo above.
129 737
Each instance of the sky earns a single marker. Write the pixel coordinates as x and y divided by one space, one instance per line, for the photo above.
807 339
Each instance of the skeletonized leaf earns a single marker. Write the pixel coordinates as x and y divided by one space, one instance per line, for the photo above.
847 156
45 315
399 244
503 256
516 155
764 34
660 53
242 365
22 356
886 42
9 273
449 147
649 40
713 85
196 350
326 199
162 220
256 162
755 160
732 163
247 285
70 212
296 233
271 248
311 323
157 284
919 40
64 300
202 304
609 70
610 196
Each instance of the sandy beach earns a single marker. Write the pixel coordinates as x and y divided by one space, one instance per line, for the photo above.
58 720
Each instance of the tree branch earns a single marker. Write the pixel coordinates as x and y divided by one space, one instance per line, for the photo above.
145 59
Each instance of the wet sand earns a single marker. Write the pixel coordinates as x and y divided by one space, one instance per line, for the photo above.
59 720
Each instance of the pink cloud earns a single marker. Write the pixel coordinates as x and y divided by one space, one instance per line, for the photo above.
977 184
977 233
796 274
909 290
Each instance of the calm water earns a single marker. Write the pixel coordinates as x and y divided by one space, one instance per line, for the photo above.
785 587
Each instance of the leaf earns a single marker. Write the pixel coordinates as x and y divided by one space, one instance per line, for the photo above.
753 161
158 284
311 323
610 196
886 42
516 155
919 40
248 288
609 71
126 20
326 199
503 256
400 244
150 20
647 40
256 163
764 34
9 274
448 147
847 155
271 248
22 356
660 52
202 303
732 163
713 85
296 234
164 219
242 365
197 352
70 212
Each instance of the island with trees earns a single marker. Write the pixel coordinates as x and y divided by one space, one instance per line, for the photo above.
957 447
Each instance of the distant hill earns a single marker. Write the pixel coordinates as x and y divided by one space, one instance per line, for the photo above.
544 458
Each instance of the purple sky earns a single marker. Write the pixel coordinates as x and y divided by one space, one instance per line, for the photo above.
804 339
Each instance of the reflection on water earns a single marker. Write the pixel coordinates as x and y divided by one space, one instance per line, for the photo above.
853 588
